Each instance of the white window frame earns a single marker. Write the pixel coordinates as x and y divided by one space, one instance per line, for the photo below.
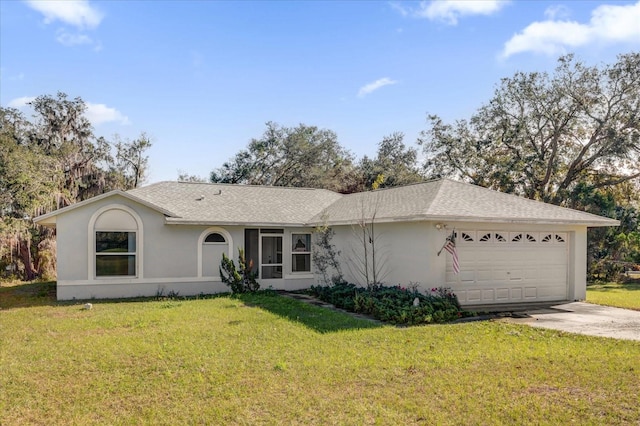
133 253
278 233
91 250
203 236
307 252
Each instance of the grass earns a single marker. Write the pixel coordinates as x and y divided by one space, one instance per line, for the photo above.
264 359
621 295
15 294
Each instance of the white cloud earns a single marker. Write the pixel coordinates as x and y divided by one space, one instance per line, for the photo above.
372 87
450 11
68 39
95 113
400 8
608 24
556 11
100 113
78 13
20 102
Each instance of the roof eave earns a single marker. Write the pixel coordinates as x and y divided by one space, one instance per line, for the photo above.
49 219
181 221
420 218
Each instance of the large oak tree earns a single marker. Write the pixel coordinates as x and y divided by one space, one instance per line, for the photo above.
541 135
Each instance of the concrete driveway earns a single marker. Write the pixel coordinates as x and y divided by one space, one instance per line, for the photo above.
586 318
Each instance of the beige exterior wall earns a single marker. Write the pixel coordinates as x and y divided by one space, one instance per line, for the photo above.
408 252
170 258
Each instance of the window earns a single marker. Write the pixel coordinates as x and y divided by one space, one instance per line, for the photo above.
301 252
214 237
115 254
465 236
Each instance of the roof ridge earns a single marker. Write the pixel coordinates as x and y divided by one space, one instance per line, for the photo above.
235 185
395 188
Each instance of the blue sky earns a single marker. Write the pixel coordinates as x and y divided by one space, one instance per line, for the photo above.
203 77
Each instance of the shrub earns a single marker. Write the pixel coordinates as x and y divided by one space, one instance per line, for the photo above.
241 279
395 304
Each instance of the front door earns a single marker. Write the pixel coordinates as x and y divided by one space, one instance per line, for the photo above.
265 245
271 258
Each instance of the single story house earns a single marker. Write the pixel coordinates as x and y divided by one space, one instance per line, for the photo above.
170 236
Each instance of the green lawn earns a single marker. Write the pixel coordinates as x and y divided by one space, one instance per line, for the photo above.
625 295
270 360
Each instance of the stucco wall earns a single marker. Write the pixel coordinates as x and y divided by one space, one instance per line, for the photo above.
408 252
405 253
171 258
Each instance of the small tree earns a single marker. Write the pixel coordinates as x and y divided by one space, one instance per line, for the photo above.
325 255
368 260
241 279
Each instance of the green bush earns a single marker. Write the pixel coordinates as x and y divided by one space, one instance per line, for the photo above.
241 279
395 304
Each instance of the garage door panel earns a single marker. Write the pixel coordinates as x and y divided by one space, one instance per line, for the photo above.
530 273
488 295
518 268
530 292
516 274
484 275
552 273
516 294
474 295
467 276
502 294
499 274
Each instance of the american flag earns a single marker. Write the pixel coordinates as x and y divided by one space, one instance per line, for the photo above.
450 246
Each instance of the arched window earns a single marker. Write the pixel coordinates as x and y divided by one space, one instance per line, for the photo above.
215 237
212 243
116 232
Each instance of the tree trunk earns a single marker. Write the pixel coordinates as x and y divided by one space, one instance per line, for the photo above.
25 256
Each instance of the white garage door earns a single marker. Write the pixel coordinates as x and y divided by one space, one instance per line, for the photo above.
509 267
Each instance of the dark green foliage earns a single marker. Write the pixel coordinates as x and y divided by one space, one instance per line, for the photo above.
395 304
540 135
241 279
611 251
303 156
394 165
51 161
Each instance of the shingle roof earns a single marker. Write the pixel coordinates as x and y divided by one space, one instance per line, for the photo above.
453 201
236 204
445 200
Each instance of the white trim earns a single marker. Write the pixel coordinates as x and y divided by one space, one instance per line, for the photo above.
472 219
131 280
201 239
49 219
300 253
281 264
91 249
298 276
